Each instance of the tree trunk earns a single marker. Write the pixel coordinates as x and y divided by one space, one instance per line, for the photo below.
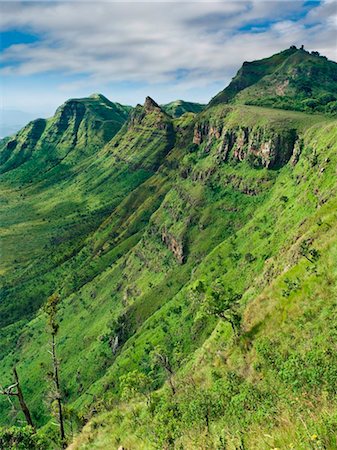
173 389
23 404
58 393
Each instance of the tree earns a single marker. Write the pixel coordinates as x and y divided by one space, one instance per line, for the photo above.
15 390
223 303
21 438
135 383
51 310
310 253
162 359
200 407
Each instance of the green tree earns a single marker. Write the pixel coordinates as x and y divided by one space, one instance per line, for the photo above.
224 303
21 438
310 253
133 384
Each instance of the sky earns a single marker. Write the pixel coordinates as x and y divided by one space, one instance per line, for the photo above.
52 51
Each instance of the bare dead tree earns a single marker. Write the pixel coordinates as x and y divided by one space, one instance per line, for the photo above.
51 310
15 390
164 362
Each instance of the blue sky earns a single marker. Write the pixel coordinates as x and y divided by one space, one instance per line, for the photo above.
52 51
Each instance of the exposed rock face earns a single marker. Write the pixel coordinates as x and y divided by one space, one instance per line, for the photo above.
176 246
263 147
150 105
296 152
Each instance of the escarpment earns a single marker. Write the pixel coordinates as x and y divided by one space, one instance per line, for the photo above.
261 146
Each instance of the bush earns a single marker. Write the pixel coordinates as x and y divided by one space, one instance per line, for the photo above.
21 438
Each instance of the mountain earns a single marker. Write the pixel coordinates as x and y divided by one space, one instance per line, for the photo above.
78 126
292 79
179 107
194 258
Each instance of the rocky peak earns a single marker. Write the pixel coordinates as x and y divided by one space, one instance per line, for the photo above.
159 120
150 105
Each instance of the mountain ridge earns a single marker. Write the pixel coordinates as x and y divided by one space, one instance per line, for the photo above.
194 255
292 79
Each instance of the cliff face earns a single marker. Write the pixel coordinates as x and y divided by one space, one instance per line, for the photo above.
175 245
261 146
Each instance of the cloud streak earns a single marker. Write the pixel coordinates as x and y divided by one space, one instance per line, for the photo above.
184 45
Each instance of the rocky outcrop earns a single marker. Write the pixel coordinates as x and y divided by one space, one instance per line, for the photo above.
263 147
175 245
160 120
297 152
150 105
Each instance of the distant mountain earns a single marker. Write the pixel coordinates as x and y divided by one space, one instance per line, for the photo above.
292 79
179 107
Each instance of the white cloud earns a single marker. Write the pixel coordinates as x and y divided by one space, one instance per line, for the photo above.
155 42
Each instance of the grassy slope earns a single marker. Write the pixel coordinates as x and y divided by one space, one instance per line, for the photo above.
60 210
275 386
48 188
133 285
293 79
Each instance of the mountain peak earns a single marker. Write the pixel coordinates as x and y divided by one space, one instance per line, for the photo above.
291 79
150 105
97 95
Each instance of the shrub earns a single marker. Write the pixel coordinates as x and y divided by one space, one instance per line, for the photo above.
21 438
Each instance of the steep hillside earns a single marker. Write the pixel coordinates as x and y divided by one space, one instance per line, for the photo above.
78 127
56 209
293 79
273 383
195 260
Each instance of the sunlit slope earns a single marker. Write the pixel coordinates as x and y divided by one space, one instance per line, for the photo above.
275 385
179 107
46 220
216 188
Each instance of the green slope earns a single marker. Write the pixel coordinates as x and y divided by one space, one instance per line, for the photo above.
55 210
293 79
144 233
275 385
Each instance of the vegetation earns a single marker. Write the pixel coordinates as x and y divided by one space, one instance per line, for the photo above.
194 260
293 79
